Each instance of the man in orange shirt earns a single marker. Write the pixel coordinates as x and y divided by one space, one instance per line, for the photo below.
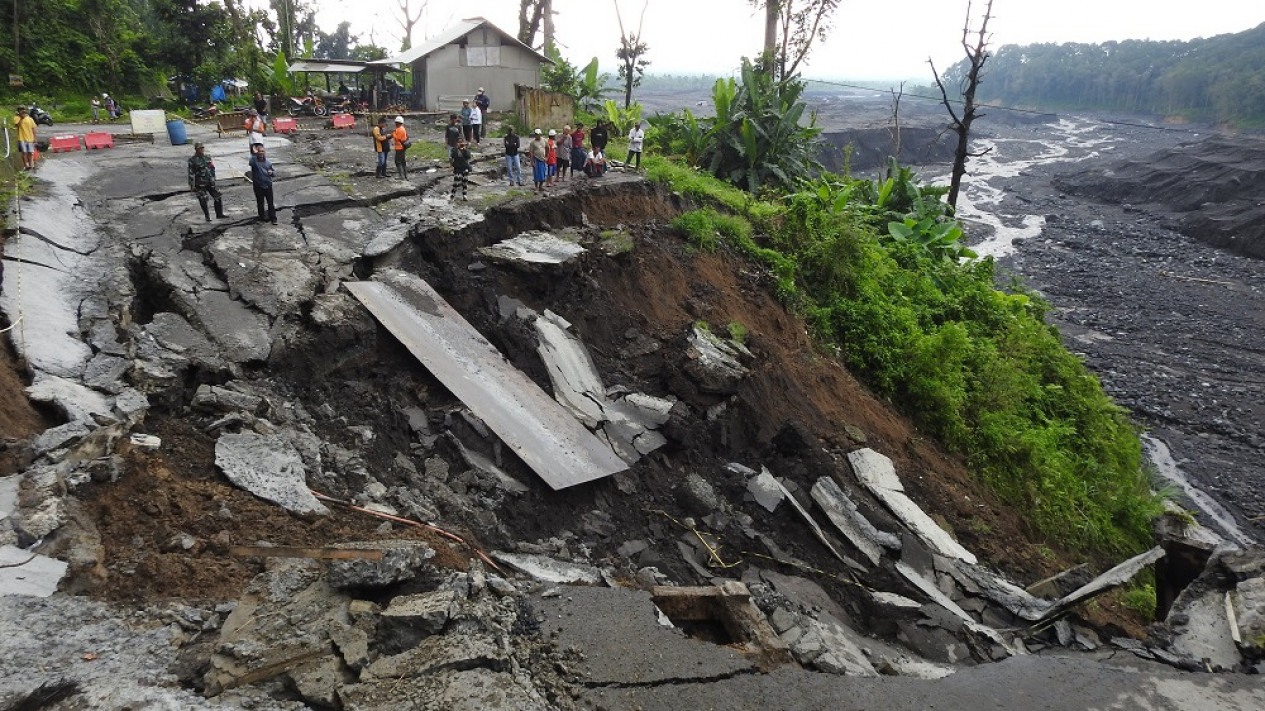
401 143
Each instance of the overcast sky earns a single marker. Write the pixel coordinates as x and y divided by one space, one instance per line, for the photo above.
872 39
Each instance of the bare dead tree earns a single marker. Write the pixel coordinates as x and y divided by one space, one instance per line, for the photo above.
408 19
897 94
790 29
976 56
631 53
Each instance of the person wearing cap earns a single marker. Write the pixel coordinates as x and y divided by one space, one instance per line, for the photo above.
25 126
400 143
202 182
483 101
539 152
255 128
381 146
551 157
465 119
111 107
261 176
476 123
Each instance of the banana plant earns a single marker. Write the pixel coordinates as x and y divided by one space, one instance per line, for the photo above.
938 239
622 119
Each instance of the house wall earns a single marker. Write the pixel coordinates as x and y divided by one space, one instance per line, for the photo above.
542 109
497 68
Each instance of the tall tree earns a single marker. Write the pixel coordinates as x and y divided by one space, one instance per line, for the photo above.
790 29
535 16
976 55
408 19
631 53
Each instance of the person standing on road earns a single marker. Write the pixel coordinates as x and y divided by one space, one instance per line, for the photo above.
459 158
452 133
381 146
635 138
599 137
551 158
96 109
202 182
578 155
261 176
513 166
111 107
255 128
25 126
484 102
564 152
400 143
539 152
261 107
476 123
465 119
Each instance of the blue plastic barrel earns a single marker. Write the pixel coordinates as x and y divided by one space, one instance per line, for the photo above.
175 131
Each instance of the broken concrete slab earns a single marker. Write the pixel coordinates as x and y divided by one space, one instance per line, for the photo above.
273 278
1117 576
427 612
857 529
453 651
1205 633
812 523
876 473
402 561
539 430
714 362
449 690
549 570
25 573
60 436
825 645
269 467
534 249
938 597
1248 608
618 634
765 489
76 401
983 583
578 387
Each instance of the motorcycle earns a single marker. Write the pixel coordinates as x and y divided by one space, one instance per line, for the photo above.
40 116
308 105
205 113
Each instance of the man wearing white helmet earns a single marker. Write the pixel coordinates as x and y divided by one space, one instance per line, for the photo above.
400 142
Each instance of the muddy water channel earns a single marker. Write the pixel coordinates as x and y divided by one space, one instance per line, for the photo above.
1172 326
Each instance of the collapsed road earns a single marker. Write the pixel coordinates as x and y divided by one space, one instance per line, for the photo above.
766 534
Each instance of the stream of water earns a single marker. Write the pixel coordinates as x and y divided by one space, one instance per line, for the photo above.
1073 140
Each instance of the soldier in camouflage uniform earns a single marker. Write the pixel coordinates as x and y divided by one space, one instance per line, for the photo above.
202 182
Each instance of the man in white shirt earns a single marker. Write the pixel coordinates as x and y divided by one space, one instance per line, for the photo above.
635 138
476 123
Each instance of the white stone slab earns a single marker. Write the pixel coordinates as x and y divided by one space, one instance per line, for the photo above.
876 473
539 430
269 467
37 576
834 504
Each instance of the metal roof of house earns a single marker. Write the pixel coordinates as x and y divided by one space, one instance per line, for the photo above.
331 66
450 35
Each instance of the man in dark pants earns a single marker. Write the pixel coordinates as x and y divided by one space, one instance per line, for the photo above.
261 175
202 182
459 158
483 101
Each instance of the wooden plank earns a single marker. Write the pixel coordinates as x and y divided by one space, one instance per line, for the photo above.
544 435
313 553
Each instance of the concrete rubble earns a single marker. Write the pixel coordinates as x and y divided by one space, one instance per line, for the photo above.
668 584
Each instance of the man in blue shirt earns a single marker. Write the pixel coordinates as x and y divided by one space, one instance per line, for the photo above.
261 176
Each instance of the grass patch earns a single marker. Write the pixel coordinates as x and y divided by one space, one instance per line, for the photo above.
738 333
423 149
1140 599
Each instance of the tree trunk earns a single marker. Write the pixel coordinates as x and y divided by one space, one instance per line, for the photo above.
772 13
547 14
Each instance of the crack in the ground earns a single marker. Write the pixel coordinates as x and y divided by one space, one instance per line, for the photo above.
19 260
28 231
673 681
159 197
